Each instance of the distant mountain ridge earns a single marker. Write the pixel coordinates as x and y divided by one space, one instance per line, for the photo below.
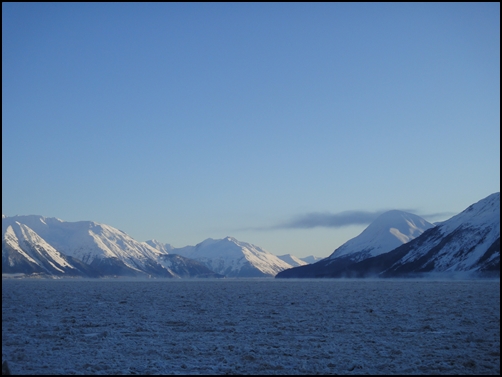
311 259
390 230
28 252
234 258
50 246
162 247
292 260
468 242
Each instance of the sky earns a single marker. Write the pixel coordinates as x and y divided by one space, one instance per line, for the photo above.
290 126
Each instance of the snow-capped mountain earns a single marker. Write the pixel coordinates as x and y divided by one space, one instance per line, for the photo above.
36 244
234 258
390 230
106 249
292 260
186 267
469 241
24 250
53 246
162 247
395 244
311 259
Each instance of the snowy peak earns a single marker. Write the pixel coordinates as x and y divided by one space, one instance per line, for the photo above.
311 259
88 240
21 244
234 258
482 213
469 241
32 243
292 260
225 247
107 249
390 230
162 247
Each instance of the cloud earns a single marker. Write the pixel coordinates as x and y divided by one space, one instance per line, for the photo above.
329 220
341 219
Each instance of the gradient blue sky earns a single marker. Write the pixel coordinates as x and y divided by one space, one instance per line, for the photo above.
181 122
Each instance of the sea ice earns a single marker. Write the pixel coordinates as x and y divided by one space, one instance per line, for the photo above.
251 326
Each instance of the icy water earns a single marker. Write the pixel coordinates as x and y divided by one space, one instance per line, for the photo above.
255 326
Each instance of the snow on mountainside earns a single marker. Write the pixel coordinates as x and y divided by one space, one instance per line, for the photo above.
186 267
162 247
88 240
21 244
311 259
469 241
292 260
482 214
234 258
94 249
388 231
36 244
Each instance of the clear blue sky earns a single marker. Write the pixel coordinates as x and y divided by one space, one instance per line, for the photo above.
264 122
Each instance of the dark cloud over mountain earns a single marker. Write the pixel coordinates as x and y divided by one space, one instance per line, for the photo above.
341 219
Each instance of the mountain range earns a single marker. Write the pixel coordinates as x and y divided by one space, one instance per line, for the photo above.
50 246
234 258
396 244
466 243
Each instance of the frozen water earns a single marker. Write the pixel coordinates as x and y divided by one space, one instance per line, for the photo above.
251 326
